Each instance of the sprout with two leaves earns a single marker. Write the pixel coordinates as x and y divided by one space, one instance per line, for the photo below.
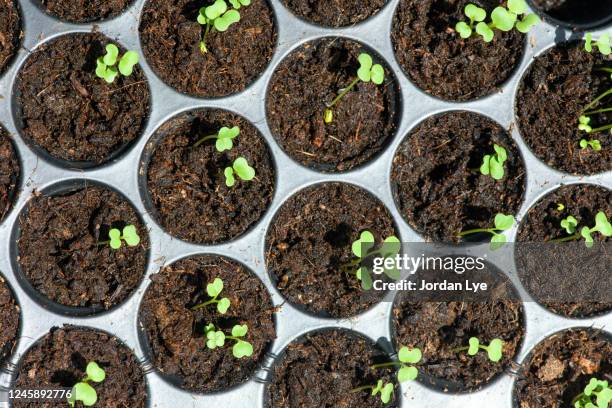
220 17
502 223
494 349
240 168
129 235
570 225
363 248
106 69
213 290
224 138
502 19
216 338
493 165
367 72
596 394
84 392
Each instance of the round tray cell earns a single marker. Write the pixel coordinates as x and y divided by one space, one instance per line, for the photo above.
555 90
59 360
10 32
62 252
568 278
171 40
305 84
575 14
558 369
9 173
323 367
70 115
184 184
440 62
174 319
436 178
334 13
9 321
309 241
84 11
440 328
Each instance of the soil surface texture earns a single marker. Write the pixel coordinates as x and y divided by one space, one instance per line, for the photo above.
9 173
9 321
59 360
176 332
309 241
566 271
577 14
186 184
171 36
64 251
440 62
84 11
556 89
64 109
10 32
440 328
302 87
321 368
437 182
561 366
334 13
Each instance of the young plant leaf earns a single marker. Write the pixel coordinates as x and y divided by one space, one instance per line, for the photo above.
85 393
366 278
94 372
213 289
215 10
226 20
127 63
229 177
494 350
585 232
115 238
504 222
474 346
377 73
602 225
386 393
497 241
130 235
215 339
502 19
240 330
112 52
223 305
243 170
517 6
365 241
411 356
364 73
475 13
225 137
242 349
407 374
485 32
527 23
569 224
464 30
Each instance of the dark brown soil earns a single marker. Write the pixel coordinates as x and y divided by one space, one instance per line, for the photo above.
551 97
176 333
436 179
70 113
321 368
10 32
9 173
59 360
443 64
171 36
9 321
85 11
439 328
309 79
310 239
576 266
187 186
59 252
561 366
334 13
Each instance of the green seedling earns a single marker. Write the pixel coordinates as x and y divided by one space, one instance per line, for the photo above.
240 168
407 358
593 144
216 338
220 17
493 165
502 19
502 223
570 224
84 392
105 66
601 103
367 72
223 138
560 206
129 235
385 390
213 290
494 349
596 394
363 248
